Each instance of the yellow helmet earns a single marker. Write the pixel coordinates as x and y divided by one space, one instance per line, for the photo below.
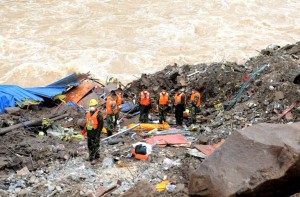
93 102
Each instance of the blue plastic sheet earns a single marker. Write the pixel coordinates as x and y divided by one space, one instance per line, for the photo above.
245 86
125 107
48 92
6 100
9 94
71 80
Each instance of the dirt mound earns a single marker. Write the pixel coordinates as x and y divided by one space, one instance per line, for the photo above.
250 92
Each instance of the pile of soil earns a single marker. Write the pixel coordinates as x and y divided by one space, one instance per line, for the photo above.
220 83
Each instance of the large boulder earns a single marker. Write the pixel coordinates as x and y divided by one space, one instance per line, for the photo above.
261 160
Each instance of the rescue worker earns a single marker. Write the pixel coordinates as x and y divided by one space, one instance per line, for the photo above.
179 102
119 96
94 125
144 105
163 105
195 102
112 112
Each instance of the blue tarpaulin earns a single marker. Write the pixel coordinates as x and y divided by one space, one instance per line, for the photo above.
9 94
58 87
71 80
6 100
48 92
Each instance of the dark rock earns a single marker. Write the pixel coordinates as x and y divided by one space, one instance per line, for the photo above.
261 160
3 163
12 110
202 139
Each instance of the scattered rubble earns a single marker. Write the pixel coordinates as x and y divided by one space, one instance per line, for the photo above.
234 99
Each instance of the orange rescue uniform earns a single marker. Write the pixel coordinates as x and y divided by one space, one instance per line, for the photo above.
177 98
199 98
163 99
119 98
145 98
111 105
92 119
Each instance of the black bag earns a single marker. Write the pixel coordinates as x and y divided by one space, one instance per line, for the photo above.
140 149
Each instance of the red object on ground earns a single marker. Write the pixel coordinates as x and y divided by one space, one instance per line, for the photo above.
83 132
206 149
139 156
246 78
209 149
176 139
286 110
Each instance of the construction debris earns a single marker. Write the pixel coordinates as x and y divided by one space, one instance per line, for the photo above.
234 99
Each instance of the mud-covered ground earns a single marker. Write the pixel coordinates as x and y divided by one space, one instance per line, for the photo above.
58 167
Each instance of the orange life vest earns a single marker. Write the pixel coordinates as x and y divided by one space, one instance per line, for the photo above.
199 98
163 98
145 98
92 120
119 99
177 98
109 106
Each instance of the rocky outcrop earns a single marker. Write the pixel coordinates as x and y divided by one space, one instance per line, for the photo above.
261 160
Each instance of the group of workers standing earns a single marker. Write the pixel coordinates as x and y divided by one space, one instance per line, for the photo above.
94 118
164 102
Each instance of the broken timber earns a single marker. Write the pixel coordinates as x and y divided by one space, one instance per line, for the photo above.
28 123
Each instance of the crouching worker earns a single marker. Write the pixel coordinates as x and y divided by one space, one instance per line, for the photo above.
94 125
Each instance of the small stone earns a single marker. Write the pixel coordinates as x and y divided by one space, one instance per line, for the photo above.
51 187
207 129
179 187
227 117
24 192
289 116
279 95
66 156
202 139
40 172
266 102
32 179
107 162
24 171
58 188
17 190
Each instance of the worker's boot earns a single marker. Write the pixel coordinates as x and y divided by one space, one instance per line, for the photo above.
109 133
94 161
88 159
